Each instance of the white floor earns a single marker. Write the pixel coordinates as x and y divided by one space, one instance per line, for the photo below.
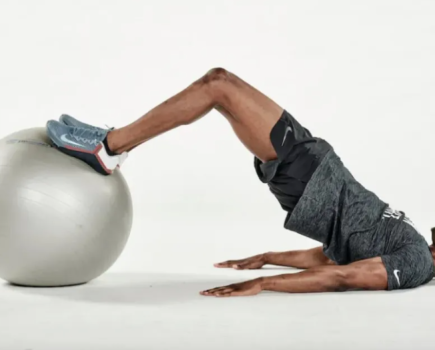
162 311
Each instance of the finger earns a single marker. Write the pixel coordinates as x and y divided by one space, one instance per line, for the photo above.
230 263
209 291
231 293
243 265
223 291
219 291
222 294
213 290
225 264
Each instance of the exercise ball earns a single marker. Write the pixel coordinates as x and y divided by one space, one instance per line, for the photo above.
61 223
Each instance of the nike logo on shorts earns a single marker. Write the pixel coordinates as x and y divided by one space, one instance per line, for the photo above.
286 132
396 274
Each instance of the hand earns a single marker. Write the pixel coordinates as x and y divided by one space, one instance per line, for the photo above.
251 263
243 289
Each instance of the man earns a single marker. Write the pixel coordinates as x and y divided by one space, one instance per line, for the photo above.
366 244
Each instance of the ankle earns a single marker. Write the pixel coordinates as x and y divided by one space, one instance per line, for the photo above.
110 145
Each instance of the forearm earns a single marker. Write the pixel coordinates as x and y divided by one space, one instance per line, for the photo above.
301 259
319 279
369 274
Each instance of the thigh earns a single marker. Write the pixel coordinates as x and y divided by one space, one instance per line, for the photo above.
251 113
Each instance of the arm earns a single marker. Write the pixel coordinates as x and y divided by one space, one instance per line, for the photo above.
367 274
301 259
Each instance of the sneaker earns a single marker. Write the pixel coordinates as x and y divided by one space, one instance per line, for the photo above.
71 121
86 145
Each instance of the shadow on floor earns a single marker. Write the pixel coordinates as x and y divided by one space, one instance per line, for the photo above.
145 289
157 289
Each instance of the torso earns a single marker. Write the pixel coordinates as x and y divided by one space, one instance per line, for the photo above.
335 207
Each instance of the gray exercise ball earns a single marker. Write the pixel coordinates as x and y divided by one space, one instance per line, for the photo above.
61 223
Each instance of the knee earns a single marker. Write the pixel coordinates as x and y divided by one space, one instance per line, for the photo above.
218 81
216 75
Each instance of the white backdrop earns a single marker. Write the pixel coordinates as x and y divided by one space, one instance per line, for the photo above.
358 73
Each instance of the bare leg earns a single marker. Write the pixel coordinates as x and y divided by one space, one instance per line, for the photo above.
251 114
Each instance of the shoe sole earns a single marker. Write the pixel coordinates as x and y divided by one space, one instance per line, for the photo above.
97 158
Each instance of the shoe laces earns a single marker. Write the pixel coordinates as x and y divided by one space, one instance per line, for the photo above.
87 135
